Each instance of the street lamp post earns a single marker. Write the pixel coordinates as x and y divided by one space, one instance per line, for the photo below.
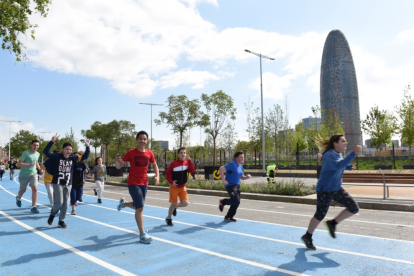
43 137
151 104
9 132
261 94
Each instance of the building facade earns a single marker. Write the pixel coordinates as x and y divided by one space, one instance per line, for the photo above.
310 122
339 89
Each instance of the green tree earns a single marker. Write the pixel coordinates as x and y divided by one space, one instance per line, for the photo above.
123 132
406 113
183 114
380 125
14 20
219 106
20 142
92 135
69 137
228 137
274 124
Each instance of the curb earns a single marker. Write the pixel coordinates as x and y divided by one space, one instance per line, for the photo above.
287 199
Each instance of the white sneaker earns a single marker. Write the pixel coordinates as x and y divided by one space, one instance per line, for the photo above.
121 204
145 238
73 213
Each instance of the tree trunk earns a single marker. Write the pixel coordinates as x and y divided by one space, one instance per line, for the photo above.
106 153
214 151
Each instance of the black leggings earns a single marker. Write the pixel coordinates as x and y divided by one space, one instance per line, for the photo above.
234 200
341 196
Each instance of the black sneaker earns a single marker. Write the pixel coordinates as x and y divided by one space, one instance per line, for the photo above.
308 243
221 206
99 200
175 212
330 228
50 220
62 224
96 193
169 222
80 200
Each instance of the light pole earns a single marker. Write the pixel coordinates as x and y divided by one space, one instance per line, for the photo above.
151 104
261 94
43 137
9 132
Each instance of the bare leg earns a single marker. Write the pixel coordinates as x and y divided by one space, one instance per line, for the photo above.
139 217
171 210
312 225
343 215
34 195
20 193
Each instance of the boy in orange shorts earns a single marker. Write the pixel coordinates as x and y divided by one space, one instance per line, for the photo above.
176 175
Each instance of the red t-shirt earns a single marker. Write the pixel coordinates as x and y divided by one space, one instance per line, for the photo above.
139 162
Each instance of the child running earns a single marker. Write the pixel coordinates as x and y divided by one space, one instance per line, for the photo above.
62 167
28 174
99 174
329 187
233 173
77 184
176 175
139 159
12 167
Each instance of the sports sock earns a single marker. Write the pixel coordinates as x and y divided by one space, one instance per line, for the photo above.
308 235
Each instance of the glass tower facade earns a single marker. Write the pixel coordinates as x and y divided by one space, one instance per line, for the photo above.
339 88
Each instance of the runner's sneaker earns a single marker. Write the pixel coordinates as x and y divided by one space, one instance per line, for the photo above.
121 204
99 200
73 213
50 220
145 238
330 228
230 219
96 193
308 243
34 210
62 224
169 222
175 212
221 206
80 200
18 202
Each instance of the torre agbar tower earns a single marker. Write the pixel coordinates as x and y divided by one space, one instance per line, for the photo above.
339 89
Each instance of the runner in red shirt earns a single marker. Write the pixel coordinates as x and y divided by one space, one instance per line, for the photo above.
139 159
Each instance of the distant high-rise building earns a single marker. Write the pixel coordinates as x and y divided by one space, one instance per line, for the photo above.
310 122
339 89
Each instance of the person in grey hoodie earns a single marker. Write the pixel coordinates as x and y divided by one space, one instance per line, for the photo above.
99 174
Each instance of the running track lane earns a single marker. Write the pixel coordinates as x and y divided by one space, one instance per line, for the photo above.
197 244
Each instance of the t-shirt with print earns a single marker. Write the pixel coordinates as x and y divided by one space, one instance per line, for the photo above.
234 172
29 157
139 162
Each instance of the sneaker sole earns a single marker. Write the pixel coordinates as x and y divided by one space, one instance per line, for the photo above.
329 231
313 249
146 242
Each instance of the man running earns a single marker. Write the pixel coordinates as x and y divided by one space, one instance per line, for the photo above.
233 172
12 167
176 175
62 165
28 174
139 158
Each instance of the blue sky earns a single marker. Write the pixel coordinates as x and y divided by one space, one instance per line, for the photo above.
95 61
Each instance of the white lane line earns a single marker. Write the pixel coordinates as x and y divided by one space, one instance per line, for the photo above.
70 248
272 268
284 213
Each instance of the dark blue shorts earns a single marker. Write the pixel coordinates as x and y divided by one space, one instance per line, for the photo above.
138 193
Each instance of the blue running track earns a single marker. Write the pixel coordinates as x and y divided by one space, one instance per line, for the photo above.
101 240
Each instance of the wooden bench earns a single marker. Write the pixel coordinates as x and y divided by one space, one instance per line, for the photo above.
386 180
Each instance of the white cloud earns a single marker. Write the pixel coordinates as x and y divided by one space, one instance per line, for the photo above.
274 87
407 35
187 76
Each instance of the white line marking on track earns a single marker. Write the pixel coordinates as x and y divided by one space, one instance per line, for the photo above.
70 248
158 239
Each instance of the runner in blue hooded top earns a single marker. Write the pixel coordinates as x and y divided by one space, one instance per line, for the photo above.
329 187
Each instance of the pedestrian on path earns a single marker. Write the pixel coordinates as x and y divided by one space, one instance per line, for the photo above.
329 187
139 158
2 170
77 184
98 173
176 175
62 167
28 174
12 167
230 176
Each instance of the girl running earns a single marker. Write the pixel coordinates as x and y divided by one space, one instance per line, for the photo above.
329 187
99 174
